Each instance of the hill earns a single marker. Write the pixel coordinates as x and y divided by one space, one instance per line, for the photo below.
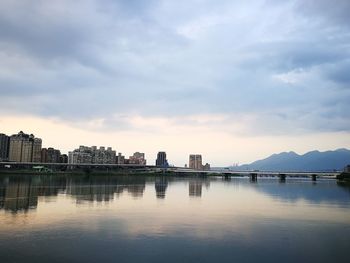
311 161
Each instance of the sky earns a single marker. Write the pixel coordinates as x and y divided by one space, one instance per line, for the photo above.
234 81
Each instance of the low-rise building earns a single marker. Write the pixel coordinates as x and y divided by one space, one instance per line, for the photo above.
206 167
137 158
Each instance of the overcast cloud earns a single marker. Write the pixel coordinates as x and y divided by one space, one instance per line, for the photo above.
274 67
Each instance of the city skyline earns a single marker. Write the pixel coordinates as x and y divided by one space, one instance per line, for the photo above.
153 155
26 148
234 81
22 147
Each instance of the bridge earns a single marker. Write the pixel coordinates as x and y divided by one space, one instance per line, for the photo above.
174 170
254 174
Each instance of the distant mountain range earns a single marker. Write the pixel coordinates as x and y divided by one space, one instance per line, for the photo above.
311 161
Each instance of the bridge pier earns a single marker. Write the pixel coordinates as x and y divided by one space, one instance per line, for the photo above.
227 176
253 177
314 176
282 177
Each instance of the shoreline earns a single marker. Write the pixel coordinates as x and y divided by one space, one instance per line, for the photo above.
135 172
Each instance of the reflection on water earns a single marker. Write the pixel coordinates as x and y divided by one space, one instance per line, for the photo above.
21 192
195 188
56 218
161 185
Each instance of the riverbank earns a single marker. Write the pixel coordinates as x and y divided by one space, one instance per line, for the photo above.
344 176
173 173
121 172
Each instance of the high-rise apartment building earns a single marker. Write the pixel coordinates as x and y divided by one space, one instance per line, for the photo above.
50 155
81 155
24 148
27 150
85 154
16 143
63 158
103 155
36 155
4 147
161 160
195 162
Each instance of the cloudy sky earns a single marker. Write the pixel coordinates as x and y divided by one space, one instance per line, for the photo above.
232 80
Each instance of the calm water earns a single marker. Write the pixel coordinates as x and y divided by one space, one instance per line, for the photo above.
143 219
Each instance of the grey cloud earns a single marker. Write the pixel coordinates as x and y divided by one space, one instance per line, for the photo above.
339 73
289 55
114 58
47 35
334 11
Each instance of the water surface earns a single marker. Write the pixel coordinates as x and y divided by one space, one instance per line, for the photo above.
55 218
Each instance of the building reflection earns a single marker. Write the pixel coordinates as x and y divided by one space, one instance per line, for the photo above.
21 192
161 184
195 188
91 188
103 188
18 195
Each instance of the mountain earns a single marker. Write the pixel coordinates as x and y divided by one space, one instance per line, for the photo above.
311 161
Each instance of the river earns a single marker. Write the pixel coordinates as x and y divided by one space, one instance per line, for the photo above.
75 218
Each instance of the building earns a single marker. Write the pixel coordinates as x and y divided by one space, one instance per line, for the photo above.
347 169
85 154
137 158
44 155
120 159
103 155
63 158
50 155
161 160
81 155
206 167
24 148
4 147
195 162
36 155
